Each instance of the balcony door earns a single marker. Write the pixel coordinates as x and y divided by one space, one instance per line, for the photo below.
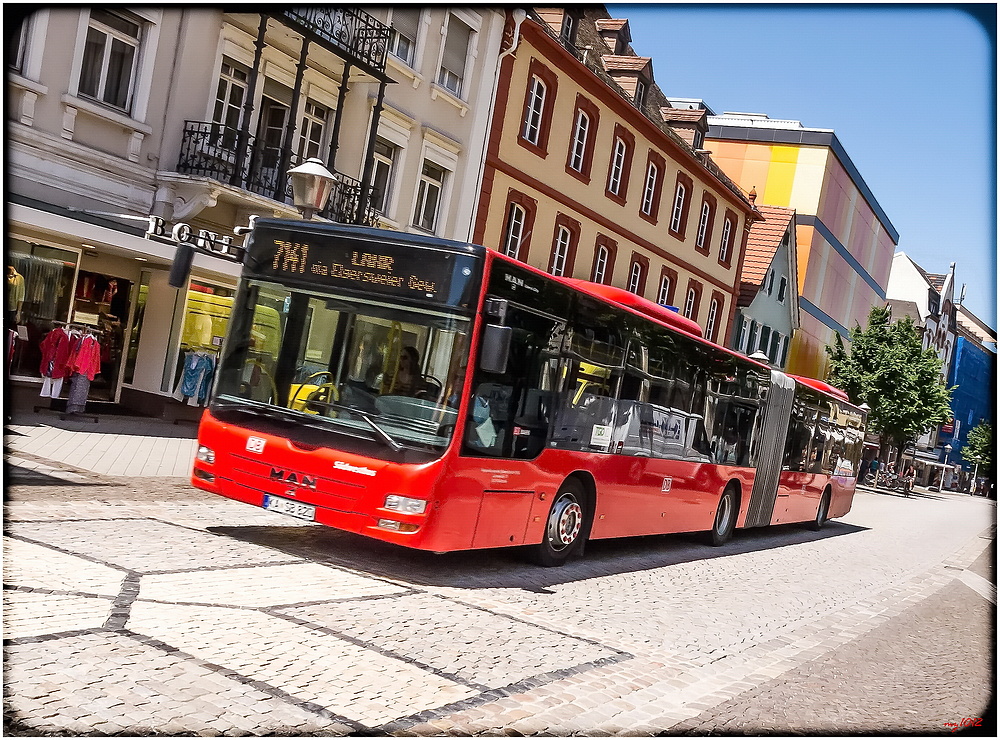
270 137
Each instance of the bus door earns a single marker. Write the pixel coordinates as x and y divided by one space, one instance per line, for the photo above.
509 418
766 501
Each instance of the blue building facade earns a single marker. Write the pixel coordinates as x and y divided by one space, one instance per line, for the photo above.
973 370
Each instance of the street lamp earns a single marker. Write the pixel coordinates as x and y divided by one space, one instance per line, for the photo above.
312 184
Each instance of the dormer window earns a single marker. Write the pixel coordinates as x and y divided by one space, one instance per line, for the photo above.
640 93
567 31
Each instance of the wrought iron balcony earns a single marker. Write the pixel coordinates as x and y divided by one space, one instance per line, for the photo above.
352 33
210 150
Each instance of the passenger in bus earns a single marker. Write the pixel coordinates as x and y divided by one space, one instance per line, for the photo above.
408 381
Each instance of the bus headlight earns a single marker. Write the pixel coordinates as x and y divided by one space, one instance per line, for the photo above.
397 526
404 504
206 454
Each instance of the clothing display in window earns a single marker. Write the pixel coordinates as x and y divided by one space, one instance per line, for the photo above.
196 378
67 353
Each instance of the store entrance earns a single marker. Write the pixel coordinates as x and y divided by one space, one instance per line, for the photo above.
101 302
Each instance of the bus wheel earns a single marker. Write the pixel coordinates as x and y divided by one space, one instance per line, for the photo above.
821 512
725 518
563 527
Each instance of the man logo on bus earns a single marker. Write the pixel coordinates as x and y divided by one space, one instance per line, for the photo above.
667 482
305 481
255 444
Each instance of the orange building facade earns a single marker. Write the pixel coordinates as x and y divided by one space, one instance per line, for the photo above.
845 240
581 180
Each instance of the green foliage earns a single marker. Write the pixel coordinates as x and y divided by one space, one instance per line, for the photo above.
978 447
887 369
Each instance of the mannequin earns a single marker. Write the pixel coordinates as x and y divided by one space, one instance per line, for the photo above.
15 294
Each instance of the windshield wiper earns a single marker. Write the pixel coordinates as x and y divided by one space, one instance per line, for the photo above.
381 433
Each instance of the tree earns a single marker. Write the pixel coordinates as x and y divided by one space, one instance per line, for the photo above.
887 369
978 448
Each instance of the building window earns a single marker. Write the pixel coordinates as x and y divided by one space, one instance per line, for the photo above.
428 196
230 95
782 289
617 166
311 131
765 336
680 194
580 135
514 230
456 52
600 264
774 352
727 235
741 344
16 44
770 281
567 31
560 251
706 212
649 191
109 58
385 158
781 356
689 303
640 93
699 140
713 315
533 111
635 278
751 338
663 297
403 34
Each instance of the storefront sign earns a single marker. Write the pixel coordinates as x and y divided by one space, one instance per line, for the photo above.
182 233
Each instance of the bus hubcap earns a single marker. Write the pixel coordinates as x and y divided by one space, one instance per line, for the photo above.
565 522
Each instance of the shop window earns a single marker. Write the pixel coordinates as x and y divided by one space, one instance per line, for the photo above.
206 317
39 293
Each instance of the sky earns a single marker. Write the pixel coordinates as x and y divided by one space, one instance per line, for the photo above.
910 91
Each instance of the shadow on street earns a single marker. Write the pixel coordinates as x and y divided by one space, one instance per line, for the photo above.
506 568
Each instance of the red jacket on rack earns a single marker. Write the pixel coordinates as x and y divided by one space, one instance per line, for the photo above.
87 357
56 350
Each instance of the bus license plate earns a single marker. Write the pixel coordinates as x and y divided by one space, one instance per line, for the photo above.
292 508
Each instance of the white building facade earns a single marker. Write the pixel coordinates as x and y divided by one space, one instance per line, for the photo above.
194 116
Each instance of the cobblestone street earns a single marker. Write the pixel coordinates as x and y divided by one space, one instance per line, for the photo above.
145 606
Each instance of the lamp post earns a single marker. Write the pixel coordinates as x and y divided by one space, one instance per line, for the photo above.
312 184
947 453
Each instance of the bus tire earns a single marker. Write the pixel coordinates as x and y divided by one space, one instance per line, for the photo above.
725 518
564 526
822 512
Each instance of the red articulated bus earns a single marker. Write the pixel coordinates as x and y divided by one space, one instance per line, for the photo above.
442 396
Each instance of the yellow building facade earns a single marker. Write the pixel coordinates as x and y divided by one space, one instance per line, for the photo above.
845 240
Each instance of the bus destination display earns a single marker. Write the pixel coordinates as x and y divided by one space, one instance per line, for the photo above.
395 269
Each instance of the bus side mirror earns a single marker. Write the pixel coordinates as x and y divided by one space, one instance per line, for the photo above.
495 348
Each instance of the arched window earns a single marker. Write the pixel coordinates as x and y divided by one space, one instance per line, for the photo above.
692 296
663 297
580 131
533 112
649 192
635 277
600 264
706 213
713 314
560 249
678 213
514 231
617 167
727 238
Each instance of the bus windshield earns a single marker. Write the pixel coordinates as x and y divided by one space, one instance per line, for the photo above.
344 367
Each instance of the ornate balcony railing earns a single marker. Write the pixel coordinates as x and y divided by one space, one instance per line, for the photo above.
210 150
352 32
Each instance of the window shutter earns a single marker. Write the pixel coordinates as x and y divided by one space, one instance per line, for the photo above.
405 21
456 46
